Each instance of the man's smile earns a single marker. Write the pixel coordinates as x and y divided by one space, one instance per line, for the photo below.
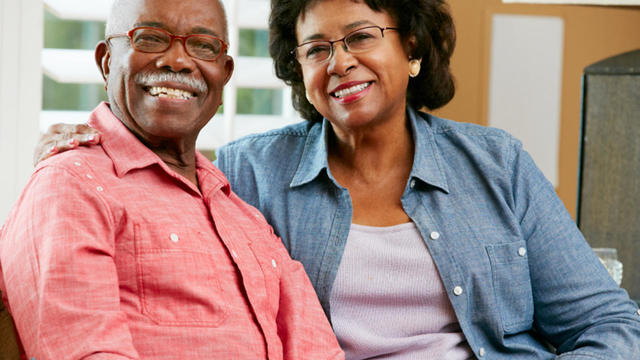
161 91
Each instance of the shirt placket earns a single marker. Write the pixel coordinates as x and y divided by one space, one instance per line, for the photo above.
251 273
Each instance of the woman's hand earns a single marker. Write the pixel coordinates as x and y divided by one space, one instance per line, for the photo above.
62 137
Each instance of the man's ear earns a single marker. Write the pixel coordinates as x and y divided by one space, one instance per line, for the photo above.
103 58
228 68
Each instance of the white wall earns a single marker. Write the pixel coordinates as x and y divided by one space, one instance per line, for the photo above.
525 84
21 37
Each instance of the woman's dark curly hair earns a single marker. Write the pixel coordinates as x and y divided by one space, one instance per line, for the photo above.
428 20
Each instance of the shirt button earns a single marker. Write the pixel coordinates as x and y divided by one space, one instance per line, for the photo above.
522 251
89 176
99 188
481 352
77 163
434 235
233 253
412 184
174 238
273 262
457 291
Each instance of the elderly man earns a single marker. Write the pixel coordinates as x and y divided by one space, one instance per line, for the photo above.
137 248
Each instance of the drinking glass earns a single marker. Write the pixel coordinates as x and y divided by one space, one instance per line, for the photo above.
609 258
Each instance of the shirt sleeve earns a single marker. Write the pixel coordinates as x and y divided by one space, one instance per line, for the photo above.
303 327
57 262
579 309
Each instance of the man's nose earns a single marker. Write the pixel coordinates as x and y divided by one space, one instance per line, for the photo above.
176 58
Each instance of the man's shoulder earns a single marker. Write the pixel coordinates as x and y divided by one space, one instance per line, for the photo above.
76 160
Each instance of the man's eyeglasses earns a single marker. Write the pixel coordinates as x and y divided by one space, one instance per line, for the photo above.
361 40
154 40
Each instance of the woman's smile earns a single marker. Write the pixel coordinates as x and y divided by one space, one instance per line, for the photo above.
350 92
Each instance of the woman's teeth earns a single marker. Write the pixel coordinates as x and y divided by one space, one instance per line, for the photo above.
170 93
351 90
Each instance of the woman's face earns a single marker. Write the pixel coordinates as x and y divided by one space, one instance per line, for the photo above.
354 90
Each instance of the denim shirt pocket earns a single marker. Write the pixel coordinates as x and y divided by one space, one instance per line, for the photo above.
512 285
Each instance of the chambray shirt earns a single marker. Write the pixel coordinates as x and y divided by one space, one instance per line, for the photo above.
518 272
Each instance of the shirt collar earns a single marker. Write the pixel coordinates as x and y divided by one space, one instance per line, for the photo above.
427 162
124 149
314 156
128 153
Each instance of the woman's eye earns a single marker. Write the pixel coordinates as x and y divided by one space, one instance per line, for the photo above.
317 51
360 38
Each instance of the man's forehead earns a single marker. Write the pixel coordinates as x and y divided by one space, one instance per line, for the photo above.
192 16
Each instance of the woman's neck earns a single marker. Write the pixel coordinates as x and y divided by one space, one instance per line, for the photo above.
372 150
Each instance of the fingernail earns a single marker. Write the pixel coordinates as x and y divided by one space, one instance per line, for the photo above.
53 149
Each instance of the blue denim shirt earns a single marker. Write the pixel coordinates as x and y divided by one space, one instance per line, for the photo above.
513 262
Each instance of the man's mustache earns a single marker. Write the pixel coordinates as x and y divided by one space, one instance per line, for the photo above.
148 78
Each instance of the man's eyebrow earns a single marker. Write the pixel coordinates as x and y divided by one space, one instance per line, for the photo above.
351 26
195 30
150 24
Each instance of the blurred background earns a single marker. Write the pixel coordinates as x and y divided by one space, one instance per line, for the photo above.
518 66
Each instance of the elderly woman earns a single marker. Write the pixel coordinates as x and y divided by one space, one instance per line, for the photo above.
423 237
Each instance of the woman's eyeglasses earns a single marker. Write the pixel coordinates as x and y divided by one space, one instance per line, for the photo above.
361 40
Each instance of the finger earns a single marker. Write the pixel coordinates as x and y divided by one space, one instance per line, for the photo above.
83 129
87 139
42 154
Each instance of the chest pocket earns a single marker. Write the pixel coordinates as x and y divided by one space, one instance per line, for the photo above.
512 285
177 286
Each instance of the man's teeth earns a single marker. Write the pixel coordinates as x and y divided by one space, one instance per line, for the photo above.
351 90
170 93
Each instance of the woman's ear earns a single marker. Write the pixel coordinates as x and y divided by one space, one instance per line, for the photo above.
102 56
410 46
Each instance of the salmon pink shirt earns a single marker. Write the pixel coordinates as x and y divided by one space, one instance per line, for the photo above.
109 254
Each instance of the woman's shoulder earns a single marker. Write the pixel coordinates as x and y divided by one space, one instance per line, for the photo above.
275 149
469 136
451 128
290 134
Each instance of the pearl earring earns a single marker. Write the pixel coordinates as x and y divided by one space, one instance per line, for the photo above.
414 67
306 94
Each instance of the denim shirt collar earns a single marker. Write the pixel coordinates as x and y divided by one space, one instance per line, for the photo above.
427 162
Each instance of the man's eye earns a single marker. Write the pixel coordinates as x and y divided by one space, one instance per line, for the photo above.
149 39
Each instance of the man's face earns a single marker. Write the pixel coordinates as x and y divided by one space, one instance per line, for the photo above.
169 95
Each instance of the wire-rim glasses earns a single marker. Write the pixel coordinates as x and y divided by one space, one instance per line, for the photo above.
357 41
155 40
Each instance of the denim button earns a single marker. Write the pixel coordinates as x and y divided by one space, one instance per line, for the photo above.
481 352
434 235
457 291
522 251
412 184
